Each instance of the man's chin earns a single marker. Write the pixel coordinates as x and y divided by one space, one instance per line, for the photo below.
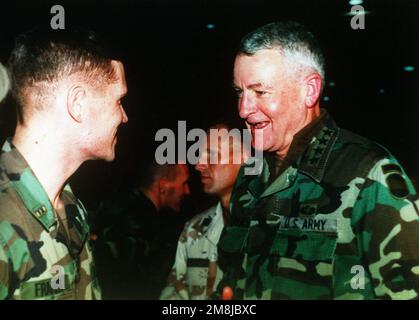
108 158
259 146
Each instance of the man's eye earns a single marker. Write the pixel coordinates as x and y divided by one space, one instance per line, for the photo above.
239 92
260 93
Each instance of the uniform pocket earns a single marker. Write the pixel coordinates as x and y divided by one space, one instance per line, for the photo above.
301 264
304 245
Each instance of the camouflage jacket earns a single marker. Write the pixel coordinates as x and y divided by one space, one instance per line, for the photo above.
136 250
195 273
39 259
341 222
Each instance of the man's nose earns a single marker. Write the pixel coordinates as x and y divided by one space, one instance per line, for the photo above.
200 166
202 162
246 105
124 115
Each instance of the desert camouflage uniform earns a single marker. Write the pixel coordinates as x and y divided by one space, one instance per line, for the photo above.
34 245
195 273
340 222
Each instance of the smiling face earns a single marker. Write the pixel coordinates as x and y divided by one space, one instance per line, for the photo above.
270 99
106 113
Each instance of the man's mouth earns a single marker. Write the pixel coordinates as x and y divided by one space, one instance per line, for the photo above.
258 125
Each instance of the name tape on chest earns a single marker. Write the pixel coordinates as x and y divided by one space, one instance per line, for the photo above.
307 224
44 289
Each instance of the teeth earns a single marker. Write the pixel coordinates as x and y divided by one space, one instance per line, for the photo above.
259 125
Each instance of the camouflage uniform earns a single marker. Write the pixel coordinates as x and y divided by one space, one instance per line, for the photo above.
195 273
136 250
340 222
34 241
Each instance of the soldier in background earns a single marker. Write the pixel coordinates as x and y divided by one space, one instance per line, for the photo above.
332 215
4 82
195 273
137 244
69 92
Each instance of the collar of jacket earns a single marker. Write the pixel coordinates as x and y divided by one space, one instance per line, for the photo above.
29 189
312 162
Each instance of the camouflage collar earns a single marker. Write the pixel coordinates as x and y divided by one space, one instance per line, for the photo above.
29 189
312 163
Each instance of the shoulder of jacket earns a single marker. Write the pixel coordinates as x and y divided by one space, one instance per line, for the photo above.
200 217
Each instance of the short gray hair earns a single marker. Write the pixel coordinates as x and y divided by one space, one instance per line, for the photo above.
4 82
296 43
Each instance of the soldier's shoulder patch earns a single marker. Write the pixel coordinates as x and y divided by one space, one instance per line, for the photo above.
395 181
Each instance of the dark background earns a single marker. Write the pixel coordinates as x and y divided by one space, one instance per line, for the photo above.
179 69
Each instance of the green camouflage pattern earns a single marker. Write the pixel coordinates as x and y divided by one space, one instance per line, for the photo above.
195 273
340 223
34 242
136 246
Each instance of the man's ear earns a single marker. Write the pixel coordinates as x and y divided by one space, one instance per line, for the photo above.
313 89
75 97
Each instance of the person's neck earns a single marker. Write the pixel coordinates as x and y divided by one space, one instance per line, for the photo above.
312 114
50 157
225 205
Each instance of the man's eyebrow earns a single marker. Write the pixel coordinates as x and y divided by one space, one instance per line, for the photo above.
258 85
253 86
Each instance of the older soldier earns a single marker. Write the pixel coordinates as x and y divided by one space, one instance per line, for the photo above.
195 273
332 214
4 82
69 94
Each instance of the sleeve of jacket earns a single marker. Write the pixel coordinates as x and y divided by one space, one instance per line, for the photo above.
14 258
4 272
386 222
176 288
